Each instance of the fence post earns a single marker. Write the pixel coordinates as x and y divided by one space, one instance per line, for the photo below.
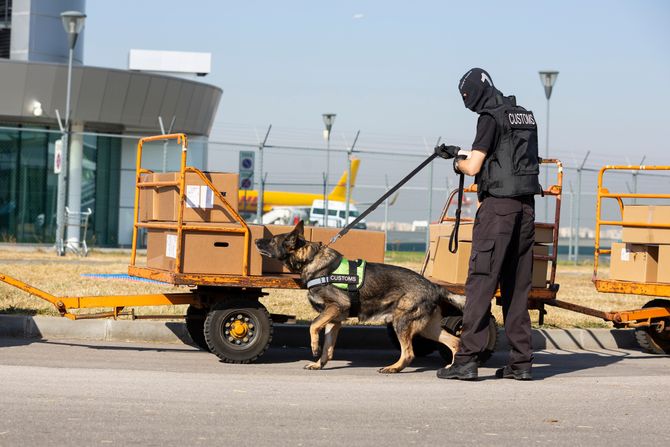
572 223
260 203
579 203
635 174
386 211
430 192
349 152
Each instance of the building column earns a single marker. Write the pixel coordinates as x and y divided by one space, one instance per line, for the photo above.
75 160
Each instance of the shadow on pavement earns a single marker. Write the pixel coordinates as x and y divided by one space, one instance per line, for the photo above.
114 347
550 364
373 358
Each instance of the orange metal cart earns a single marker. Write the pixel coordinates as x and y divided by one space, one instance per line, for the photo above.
538 294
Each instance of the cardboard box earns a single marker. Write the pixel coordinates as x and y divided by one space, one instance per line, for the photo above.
356 244
652 214
453 267
444 230
634 262
540 268
201 205
663 270
448 266
204 252
544 235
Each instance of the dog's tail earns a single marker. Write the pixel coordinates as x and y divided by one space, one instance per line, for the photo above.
458 301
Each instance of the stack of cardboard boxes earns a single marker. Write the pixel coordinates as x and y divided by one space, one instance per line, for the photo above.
208 250
453 267
644 253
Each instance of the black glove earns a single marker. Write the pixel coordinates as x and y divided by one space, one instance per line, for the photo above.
447 152
456 160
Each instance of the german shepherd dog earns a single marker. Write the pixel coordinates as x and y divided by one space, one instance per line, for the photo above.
397 294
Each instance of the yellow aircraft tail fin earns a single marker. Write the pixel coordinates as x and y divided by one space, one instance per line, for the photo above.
339 192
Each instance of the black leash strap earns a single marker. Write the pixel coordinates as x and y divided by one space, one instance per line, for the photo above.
453 239
374 206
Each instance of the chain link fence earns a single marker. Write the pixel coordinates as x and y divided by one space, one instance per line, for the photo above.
292 160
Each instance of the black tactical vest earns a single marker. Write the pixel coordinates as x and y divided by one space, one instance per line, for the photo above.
511 169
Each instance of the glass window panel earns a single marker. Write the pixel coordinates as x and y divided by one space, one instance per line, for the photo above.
9 150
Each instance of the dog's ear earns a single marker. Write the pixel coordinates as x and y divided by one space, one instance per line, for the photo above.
300 228
296 238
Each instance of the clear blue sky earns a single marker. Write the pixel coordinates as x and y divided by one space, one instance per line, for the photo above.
392 67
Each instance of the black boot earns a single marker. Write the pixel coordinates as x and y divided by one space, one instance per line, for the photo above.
511 373
461 371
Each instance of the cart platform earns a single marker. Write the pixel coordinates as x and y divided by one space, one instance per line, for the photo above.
536 293
277 281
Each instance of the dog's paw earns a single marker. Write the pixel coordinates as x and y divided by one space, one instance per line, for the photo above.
388 370
313 366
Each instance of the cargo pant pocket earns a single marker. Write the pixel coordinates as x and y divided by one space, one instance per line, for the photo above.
482 256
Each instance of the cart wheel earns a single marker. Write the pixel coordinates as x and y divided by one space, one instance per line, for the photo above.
422 346
454 325
195 325
649 338
238 330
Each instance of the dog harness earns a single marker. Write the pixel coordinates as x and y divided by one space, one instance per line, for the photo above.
349 276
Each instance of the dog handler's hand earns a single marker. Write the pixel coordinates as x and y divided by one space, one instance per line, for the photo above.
462 155
447 152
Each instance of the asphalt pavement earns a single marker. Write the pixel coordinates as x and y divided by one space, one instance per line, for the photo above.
78 392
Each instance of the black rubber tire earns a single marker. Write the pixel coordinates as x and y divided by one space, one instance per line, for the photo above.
453 324
230 352
195 325
648 338
422 346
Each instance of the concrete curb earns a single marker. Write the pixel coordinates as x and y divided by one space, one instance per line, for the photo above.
351 337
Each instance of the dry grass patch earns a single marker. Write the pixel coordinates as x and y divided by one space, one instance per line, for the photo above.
62 276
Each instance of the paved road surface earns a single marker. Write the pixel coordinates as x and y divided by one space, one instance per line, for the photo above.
95 393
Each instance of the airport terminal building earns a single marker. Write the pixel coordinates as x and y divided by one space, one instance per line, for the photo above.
110 109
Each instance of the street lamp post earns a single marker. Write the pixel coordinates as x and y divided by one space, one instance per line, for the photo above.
73 22
548 79
328 120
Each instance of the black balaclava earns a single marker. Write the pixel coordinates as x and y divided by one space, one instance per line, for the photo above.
478 88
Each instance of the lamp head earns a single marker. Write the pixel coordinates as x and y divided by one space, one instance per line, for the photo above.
73 23
328 120
548 79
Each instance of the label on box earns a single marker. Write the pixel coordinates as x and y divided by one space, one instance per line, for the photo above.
625 254
206 197
171 246
193 196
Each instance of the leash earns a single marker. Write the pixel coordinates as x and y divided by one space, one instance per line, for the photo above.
453 239
374 206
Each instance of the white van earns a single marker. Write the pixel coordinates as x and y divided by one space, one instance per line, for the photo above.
288 215
336 214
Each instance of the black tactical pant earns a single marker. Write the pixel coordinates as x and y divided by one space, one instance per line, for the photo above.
502 253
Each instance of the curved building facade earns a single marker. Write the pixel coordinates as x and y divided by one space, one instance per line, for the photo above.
110 108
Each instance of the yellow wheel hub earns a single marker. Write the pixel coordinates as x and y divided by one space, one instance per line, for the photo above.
239 329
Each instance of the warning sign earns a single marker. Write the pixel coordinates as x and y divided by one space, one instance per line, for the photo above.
247 162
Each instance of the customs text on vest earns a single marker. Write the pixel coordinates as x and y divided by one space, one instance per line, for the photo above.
512 168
